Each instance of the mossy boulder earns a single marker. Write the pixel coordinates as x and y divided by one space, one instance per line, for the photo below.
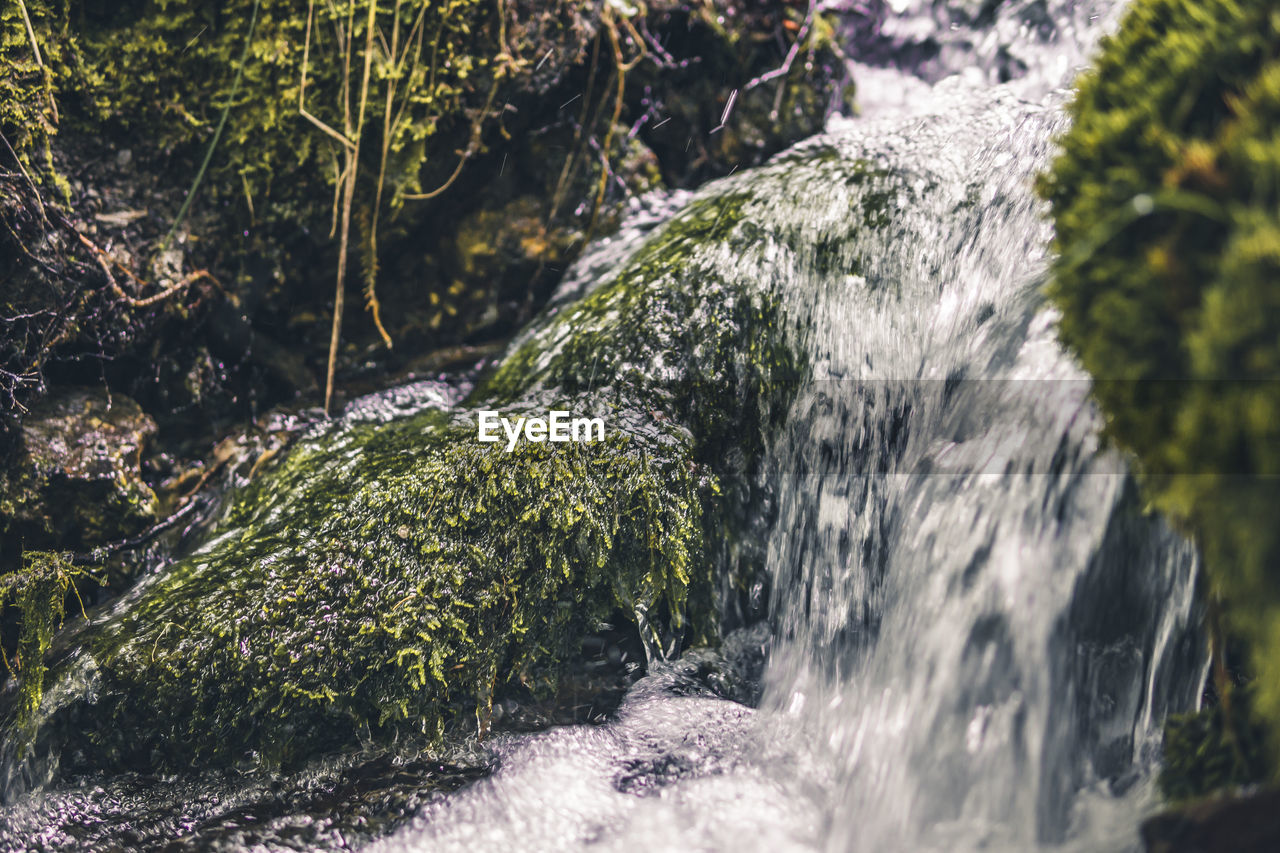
1165 198
398 576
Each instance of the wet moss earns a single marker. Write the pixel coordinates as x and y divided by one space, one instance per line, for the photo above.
38 592
29 77
1164 198
399 576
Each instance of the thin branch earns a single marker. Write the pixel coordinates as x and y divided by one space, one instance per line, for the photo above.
133 301
348 198
302 89
35 48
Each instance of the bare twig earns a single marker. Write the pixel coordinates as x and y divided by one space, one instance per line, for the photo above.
35 49
133 301
622 67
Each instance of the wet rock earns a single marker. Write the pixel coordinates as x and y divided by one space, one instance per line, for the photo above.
1243 824
77 481
393 576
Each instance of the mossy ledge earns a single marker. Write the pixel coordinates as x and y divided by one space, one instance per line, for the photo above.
394 578
1165 200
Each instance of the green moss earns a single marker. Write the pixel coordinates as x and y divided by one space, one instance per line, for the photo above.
1165 200
158 78
38 592
1203 755
166 68
29 75
394 575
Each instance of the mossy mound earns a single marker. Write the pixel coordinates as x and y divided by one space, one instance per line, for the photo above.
1166 199
400 574
676 330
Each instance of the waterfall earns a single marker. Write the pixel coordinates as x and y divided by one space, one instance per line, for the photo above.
976 631
974 616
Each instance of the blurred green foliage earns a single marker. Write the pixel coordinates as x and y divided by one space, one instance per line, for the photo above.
1166 200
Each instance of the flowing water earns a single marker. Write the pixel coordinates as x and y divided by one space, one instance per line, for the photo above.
974 632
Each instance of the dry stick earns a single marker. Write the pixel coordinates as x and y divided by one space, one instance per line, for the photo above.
477 128
370 287
302 90
23 169
353 154
35 48
347 182
611 27
579 142
785 69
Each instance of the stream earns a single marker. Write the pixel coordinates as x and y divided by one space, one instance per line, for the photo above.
974 632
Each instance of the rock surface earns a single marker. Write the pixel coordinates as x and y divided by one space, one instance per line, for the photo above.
1233 824
77 480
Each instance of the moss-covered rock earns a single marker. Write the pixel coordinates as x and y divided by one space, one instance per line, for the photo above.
1165 199
398 574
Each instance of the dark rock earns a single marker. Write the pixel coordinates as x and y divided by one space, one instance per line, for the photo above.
1244 824
77 481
